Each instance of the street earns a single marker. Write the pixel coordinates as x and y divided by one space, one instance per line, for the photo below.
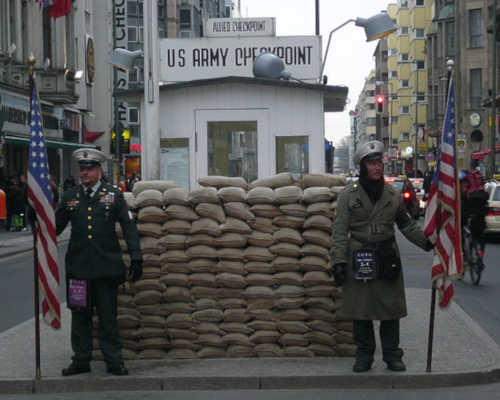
479 302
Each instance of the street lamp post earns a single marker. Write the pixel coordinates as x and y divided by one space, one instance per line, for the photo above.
415 160
493 94
376 27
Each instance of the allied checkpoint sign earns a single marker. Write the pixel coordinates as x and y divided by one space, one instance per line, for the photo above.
205 58
225 27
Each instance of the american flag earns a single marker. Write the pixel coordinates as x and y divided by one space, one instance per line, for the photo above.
442 217
40 197
44 3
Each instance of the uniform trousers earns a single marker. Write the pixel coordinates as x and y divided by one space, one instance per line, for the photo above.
103 297
364 338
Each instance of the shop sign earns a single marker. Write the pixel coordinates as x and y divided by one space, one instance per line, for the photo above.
16 111
226 27
120 25
204 58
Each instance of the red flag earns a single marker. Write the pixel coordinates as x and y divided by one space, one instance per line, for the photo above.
40 197
59 8
442 217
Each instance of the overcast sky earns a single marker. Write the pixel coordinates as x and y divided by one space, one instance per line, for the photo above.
350 57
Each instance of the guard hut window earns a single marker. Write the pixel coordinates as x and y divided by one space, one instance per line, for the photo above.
292 155
232 149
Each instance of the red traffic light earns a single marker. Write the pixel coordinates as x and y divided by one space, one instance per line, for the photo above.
406 194
380 99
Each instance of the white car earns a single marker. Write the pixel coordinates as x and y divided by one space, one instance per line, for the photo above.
492 218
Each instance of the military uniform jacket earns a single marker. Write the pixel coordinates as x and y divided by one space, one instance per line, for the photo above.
94 251
358 222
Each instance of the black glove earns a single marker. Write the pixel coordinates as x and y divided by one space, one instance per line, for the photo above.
428 246
339 273
135 270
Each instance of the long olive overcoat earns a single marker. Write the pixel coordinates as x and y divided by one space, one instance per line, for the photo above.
94 251
359 221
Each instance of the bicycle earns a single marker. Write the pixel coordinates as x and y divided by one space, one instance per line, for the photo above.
473 254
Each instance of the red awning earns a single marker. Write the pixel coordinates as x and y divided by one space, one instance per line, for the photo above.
136 147
90 136
479 155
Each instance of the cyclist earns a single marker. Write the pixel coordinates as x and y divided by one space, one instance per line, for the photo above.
474 204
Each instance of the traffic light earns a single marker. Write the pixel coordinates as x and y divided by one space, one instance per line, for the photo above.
125 141
380 100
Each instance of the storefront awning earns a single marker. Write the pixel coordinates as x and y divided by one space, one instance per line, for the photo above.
479 155
58 144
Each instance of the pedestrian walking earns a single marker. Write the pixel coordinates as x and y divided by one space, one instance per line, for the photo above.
94 265
366 260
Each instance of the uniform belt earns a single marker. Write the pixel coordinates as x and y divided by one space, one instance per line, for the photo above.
367 238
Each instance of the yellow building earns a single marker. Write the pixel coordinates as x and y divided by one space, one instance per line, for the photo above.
407 83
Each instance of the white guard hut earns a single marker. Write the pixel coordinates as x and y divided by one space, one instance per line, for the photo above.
215 118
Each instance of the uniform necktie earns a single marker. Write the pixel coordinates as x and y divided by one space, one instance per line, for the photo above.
89 193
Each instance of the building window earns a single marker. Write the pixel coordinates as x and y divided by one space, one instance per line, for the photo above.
394 74
420 64
450 39
292 155
404 110
371 106
232 149
404 30
394 120
420 3
393 51
419 32
185 19
404 83
404 56
420 96
475 28
476 87
405 136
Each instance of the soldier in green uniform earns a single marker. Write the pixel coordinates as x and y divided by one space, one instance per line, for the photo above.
366 260
94 265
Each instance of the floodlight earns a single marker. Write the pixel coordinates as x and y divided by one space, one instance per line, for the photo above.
124 59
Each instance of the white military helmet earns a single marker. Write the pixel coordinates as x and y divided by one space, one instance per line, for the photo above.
370 151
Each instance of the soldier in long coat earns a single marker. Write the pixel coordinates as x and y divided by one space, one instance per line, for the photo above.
366 259
94 261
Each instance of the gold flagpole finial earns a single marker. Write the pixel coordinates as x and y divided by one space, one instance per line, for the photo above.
31 64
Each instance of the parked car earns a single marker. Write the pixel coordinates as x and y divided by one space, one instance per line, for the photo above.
492 218
418 185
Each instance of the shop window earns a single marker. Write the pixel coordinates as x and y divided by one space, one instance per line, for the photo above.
232 149
174 161
292 155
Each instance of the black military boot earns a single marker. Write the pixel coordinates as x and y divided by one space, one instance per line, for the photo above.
362 365
119 370
76 368
396 365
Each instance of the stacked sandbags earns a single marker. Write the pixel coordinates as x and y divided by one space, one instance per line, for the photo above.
236 270
150 290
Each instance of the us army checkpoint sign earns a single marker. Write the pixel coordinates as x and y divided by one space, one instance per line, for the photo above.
205 58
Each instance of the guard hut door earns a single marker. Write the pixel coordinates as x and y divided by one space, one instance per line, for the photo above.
233 143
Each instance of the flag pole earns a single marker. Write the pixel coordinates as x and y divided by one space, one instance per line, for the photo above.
31 71
432 313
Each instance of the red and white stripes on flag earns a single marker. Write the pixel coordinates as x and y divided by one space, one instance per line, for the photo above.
40 198
442 217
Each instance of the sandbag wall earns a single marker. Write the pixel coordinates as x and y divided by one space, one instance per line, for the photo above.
234 270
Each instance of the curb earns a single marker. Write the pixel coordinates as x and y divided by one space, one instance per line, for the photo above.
189 383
